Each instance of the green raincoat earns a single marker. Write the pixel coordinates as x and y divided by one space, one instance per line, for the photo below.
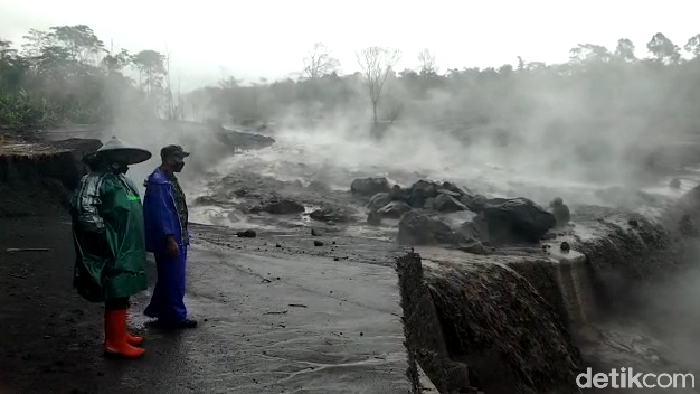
109 238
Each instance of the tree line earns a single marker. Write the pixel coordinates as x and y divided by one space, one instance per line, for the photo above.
67 74
597 87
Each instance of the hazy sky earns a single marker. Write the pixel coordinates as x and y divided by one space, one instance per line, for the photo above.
269 38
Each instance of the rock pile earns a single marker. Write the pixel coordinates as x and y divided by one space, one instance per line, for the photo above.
422 206
278 206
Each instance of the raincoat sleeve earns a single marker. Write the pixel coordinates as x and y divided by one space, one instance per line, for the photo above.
160 215
85 204
87 220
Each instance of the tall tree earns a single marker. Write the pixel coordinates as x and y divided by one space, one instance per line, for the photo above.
589 53
319 62
151 67
426 63
377 63
80 42
624 50
663 49
693 46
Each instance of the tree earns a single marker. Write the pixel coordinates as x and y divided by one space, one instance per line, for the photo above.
377 63
12 67
663 49
426 63
80 42
116 62
151 67
693 46
319 62
589 53
505 69
36 40
66 75
624 50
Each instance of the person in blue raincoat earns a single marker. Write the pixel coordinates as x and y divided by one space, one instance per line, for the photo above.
167 237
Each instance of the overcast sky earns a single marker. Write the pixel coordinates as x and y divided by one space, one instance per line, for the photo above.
253 38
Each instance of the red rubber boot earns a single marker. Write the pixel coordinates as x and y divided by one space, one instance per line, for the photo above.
116 344
133 340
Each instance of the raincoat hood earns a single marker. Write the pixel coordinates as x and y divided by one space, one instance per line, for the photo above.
116 150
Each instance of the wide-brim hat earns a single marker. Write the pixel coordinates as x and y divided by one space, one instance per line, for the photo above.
116 150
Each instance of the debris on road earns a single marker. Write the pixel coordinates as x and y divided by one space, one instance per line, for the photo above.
246 234
275 312
14 250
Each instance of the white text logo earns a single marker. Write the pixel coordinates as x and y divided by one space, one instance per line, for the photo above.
627 378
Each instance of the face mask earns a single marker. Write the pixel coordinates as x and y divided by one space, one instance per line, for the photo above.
178 165
120 168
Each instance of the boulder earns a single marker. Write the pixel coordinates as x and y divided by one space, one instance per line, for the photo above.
475 229
422 191
374 218
397 193
209 200
454 189
419 229
449 193
282 206
368 187
447 203
379 200
332 214
477 202
419 192
516 220
394 209
319 186
473 247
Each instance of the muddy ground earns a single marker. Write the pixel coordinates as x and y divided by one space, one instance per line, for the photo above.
271 319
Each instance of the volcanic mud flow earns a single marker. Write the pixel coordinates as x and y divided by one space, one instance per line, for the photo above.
489 315
499 315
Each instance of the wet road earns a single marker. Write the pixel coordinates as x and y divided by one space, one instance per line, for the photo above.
293 318
274 322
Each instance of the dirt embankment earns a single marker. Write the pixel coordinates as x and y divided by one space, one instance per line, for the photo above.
35 178
517 321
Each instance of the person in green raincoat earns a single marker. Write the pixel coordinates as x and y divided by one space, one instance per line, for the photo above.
108 235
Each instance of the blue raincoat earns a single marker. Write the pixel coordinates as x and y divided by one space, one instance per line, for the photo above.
160 220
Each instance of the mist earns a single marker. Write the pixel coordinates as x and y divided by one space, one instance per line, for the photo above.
606 118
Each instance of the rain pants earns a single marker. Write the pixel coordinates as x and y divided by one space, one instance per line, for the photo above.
160 221
108 235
